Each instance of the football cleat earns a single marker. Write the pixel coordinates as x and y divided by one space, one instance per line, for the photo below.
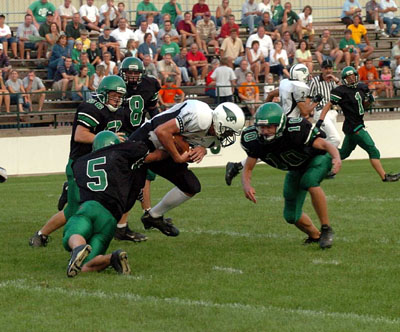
232 170
126 234
310 240
39 240
78 255
391 177
119 261
165 226
326 239
63 197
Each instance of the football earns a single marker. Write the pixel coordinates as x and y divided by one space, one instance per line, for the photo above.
180 143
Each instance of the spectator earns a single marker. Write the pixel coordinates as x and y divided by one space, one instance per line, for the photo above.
207 33
77 51
373 16
131 49
349 49
265 41
256 60
232 48
84 61
73 30
122 34
270 86
328 49
80 85
17 92
289 46
223 13
35 90
64 77
264 7
143 9
386 77
43 31
39 9
110 66
167 68
269 26
108 14
121 11
395 52
396 78
108 43
349 9
58 54
52 37
368 68
242 71
306 24
148 48
224 79
25 32
374 85
210 91
169 47
5 66
303 55
359 31
4 96
94 54
6 38
249 93
90 16
98 76
66 12
198 11
188 31
277 12
140 33
388 8
290 21
227 27
167 29
149 66
84 38
168 94
181 61
251 16
174 9
278 60
151 25
197 64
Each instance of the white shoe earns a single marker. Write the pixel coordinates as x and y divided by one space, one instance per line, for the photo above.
384 34
377 28
198 82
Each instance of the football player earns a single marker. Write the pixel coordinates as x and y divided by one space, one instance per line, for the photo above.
202 128
104 180
3 175
354 98
291 145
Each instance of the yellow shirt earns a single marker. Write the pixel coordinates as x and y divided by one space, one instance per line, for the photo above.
85 44
357 32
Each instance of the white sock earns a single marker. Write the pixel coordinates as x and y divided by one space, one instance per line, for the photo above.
376 23
243 162
171 200
122 225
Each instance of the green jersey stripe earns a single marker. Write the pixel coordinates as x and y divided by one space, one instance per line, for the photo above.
87 121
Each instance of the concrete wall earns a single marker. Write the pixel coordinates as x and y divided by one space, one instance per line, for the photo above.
49 154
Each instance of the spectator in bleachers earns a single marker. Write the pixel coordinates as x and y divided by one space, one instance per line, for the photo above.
241 72
199 10
16 88
265 42
168 93
224 79
290 21
168 68
122 34
4 96
368 68
111 66
131 49
277 12
188 31
386 77
303 55
44 29
227 27
223 13
108 14
210 86
144 8
76 52
306 20
80 85
84 61
207 33
73 29
358 32
140 33
269 26
152 26
395 54
270 86
198 64
25 32
278 60
6 38
94 54
373 16
52 37
98 76
264 7
84 38
388 9
169 47
373 85
232 48
108 43
257 61
5 66
58 54
182 63
350 8
35 89
328 49
66 12
39 9
121 10
167 29
150 67
349 48
63 77
249 93
148 48
90 16
174 9
289 46
396 78
251 16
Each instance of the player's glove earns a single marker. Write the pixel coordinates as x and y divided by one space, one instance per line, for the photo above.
317 98
319 124
369 97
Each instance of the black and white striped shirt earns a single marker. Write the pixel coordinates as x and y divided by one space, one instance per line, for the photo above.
319 86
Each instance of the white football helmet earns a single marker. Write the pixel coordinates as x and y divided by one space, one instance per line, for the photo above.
228 121
300 73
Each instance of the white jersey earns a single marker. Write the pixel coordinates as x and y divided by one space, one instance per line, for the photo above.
291 93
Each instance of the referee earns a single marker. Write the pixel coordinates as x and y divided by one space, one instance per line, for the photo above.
322 85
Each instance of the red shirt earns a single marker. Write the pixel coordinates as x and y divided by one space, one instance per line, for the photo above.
195 57
209 80
168 95
226 30
182 25
363 72
197 8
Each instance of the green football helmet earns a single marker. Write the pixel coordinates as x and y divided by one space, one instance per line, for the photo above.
132 70
107 85
347 71
270 114
103 139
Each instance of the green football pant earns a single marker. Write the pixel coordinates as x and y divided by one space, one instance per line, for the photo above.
150 176
73 192
297 183
361 138
95 223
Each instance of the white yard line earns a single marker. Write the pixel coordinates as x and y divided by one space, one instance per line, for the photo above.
227 269
325 262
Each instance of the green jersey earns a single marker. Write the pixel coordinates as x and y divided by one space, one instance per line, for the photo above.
168 8
40 10
346 43
277 15
172 49
149 7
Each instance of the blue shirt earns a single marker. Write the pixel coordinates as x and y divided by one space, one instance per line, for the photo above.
347 5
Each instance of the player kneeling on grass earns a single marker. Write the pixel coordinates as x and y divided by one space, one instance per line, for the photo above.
291 145
105 179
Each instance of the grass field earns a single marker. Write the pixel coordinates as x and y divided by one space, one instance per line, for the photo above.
235 266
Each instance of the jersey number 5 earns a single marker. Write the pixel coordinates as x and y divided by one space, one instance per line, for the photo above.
97 173
136 105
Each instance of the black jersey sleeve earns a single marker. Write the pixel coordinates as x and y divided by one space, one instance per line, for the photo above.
135 152
299 131
90 114
336 95
250 142
154 87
